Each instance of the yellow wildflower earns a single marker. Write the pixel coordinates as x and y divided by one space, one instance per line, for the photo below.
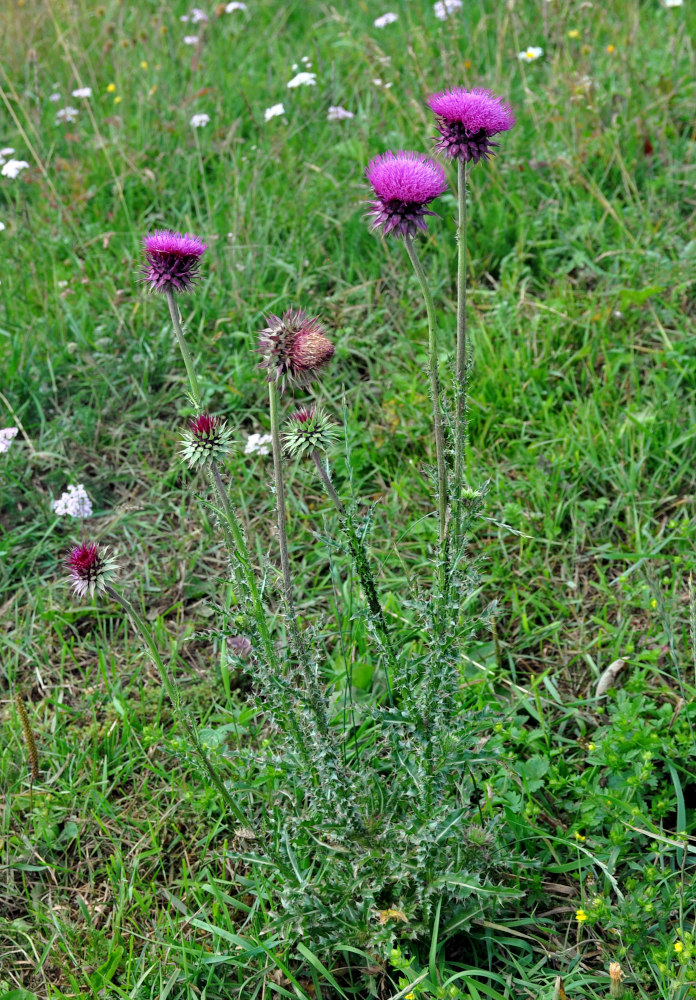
117 99
580 916
573 33
143 65
591 746
678 947
111 88
610 49
580 836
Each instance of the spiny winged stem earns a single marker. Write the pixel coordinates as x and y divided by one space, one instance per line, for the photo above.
183 347
461 369
362 565
437 412
173 692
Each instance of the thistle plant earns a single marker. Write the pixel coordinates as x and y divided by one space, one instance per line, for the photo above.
466 121
374 807
404 183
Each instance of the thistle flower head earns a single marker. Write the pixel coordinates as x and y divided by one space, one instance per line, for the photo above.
90 567
404 183
294 348
206 440
466 120
308 430
172 259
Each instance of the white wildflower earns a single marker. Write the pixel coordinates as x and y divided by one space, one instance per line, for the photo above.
672 3
385 19
235 5
74 502
2 226
199 120
337 113
82 92
54 97
531 54
7 151
258 444
443 8
379 82
13 168
190 39
199 16
303 79
273 112
66 115
6 435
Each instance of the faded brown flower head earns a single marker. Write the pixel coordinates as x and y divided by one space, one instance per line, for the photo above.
294 348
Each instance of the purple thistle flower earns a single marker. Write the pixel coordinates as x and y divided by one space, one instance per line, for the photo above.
90 568
294 348
466 120
404 183
173 260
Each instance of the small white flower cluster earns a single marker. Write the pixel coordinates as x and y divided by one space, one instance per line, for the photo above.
258 444
379 82
338 114
199 120
190 39
197 16
385 19
303 80
443 8
11 168
531 54
273 112
82 92
235 5
672 3
74 502
6 435
66 115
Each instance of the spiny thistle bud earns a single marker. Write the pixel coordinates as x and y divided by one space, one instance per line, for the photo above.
616 987
466 120
206 440
294 348
240 646
90 568
307 431
173 260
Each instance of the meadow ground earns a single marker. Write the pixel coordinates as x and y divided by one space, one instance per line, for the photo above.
115 878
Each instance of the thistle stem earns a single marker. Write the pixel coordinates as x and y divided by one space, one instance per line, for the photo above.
183 347
146 635
282 517
361 558
240 552
437 413
461 372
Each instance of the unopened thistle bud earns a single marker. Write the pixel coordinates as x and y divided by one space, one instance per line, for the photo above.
173 260
206 440
90 567
308 430
616 986
294 348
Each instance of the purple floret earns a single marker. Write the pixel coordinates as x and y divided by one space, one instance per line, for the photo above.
173 260
466 119
404 183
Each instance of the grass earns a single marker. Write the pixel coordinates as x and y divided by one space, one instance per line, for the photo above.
116 879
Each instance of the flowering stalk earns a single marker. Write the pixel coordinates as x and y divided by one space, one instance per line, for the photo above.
362 565
172 690
461 427
183 347
282 519
437 413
